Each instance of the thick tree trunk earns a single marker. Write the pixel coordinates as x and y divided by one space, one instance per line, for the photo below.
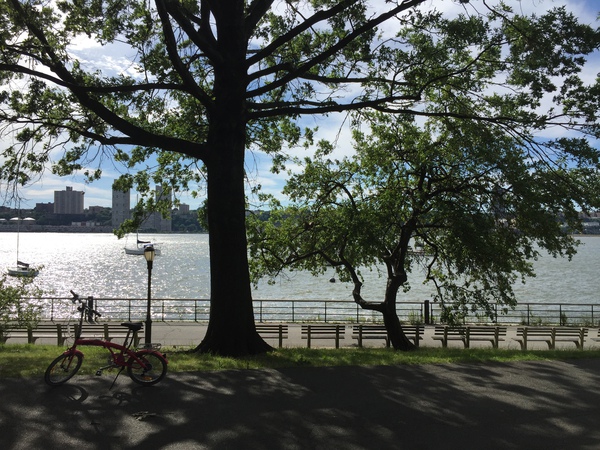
231 329
387 308
396 335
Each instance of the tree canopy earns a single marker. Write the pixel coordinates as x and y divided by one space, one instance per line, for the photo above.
206 81
470 178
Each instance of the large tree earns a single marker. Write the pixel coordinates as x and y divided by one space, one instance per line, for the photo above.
206 81
480 190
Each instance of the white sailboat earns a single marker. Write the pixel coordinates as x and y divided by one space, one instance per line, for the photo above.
141 246
22 269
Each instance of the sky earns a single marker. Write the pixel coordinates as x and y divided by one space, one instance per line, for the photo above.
333 128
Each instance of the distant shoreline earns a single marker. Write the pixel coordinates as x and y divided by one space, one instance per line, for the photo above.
73 229
9 228
54 229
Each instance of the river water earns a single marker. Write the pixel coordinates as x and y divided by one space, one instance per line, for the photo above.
96 264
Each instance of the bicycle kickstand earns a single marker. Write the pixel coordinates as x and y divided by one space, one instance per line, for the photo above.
115 380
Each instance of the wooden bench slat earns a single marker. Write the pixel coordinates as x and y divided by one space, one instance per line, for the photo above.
280 331
551 335
374 331
575 335
109 331
58 331
444 333
310 332
466 334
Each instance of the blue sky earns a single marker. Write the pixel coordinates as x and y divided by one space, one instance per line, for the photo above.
99 193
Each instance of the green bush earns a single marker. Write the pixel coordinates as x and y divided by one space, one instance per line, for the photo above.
15 312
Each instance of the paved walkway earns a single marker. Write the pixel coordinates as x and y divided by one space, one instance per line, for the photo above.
521 405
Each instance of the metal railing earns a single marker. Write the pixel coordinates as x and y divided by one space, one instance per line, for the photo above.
296 311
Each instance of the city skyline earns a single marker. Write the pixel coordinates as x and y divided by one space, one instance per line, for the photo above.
92 197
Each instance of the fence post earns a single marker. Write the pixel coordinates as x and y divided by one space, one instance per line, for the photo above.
560 316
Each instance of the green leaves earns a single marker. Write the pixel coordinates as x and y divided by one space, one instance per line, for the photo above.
16 308
463 172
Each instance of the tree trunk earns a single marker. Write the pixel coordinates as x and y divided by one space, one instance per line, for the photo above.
387 308
396 335
231 329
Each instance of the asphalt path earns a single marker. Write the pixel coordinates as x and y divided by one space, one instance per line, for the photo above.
520 405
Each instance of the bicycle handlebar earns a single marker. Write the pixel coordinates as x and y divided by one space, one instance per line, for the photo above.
85 305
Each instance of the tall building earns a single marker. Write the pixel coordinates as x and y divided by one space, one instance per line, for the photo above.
68 202
121 207
156 220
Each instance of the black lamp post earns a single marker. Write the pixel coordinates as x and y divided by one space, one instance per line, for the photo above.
149 255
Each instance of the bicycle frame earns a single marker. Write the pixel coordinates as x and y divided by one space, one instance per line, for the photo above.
118 352
145 366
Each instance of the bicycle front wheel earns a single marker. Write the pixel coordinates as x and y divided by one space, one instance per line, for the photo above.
63 368
153 370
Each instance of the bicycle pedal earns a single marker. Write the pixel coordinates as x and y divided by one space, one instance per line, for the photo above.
98 373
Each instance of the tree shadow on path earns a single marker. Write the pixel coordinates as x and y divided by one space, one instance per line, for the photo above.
493 405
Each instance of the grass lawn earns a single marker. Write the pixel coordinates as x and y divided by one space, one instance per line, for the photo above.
17 361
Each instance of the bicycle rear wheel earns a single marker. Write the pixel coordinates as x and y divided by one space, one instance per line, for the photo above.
154 369
63 368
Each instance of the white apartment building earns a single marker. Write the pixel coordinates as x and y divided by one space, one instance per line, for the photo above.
121 207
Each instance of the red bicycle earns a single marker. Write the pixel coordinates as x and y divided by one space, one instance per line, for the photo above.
145 366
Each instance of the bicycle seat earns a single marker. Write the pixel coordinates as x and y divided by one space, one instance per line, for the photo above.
133 326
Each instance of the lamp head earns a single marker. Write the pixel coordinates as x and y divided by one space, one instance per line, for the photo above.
149 253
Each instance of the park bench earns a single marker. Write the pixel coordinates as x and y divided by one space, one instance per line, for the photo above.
492 334
372 331
534 334
445 333
575 335
109 331
45 330
597 338
310 332
273 331
468 334
551 335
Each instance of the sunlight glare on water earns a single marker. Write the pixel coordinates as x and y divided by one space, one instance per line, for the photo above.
96 264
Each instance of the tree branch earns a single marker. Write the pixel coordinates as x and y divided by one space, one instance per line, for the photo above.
138 135
321 57
171 42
